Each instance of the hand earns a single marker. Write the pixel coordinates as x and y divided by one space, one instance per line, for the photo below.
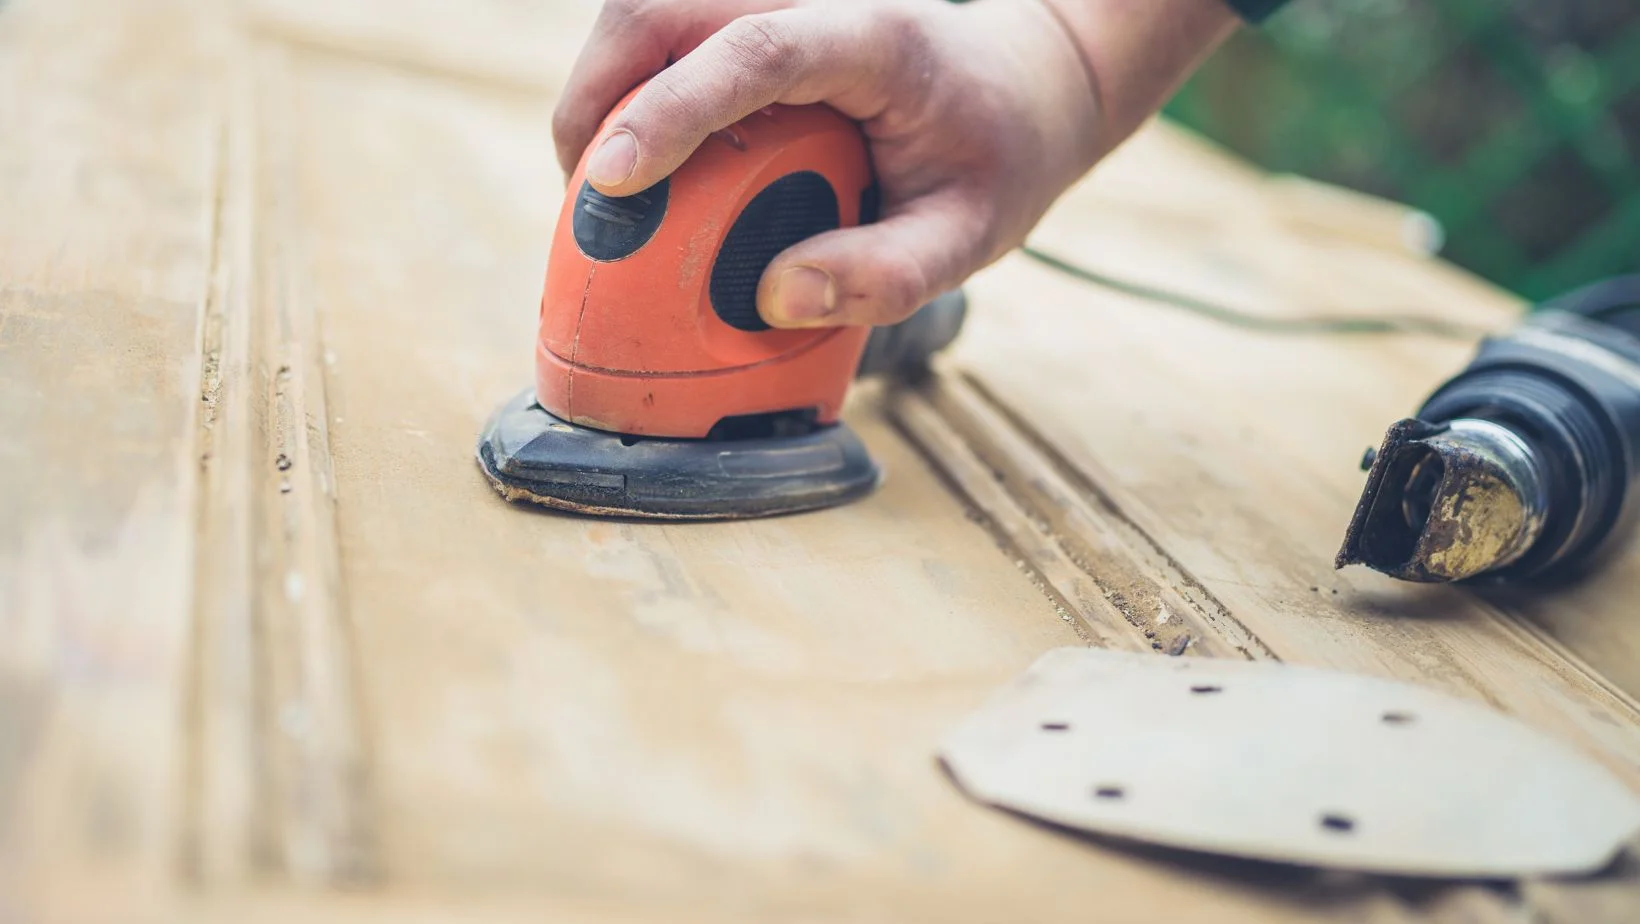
977 117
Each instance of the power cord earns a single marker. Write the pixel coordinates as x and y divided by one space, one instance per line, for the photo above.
1376 324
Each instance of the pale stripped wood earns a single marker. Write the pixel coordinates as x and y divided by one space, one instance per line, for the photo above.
506 46
109 172
714 719
482 712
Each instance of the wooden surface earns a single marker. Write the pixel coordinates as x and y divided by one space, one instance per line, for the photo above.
273 649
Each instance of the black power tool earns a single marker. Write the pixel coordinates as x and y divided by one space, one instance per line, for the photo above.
1522 466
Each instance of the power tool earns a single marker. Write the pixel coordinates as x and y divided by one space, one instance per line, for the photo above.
1522 466
659 390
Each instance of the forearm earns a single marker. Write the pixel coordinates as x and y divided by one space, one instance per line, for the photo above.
1137 52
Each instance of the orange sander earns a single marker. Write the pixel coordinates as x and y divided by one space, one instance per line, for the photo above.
659 391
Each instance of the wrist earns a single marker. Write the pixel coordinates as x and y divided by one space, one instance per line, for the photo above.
1055 88
1138 52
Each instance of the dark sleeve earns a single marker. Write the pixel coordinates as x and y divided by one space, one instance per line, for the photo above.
1255 10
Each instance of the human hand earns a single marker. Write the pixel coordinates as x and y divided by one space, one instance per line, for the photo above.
977 117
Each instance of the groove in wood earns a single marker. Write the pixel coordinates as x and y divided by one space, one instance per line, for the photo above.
316 820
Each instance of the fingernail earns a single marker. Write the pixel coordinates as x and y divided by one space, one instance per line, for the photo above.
803 295
614 160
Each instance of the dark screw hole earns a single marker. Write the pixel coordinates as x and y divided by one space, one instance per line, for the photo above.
1055 726
1206 688
1397 718
629 441
1109 792
1343 824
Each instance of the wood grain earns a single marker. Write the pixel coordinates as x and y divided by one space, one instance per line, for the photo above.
275 650
316 822
1590 616
109 172
509 47
1077 537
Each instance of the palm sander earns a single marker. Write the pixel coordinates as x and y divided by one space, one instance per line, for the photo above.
659 390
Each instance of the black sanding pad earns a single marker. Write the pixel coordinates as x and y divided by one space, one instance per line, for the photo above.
530 455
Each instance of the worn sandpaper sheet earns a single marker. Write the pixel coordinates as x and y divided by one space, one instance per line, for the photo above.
1292 764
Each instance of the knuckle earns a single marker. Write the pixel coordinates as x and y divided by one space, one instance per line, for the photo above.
569 138
904 31
635 22
761 45
563 122
625 12
905 54
903 27
988 235
899 286
669 99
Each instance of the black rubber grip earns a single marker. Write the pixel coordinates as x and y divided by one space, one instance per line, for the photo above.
610 228
793 208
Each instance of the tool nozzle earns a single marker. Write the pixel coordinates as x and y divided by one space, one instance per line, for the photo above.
1447 502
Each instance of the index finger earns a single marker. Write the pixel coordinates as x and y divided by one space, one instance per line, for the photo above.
794 56
631 41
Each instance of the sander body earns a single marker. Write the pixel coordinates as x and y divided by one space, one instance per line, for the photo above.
659 390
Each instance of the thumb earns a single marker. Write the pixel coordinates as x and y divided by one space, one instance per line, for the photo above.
875 274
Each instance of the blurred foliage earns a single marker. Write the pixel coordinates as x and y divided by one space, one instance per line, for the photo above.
1515 122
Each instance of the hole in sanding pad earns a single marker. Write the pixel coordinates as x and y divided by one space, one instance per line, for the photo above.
1055 726
1397 718
1341 824
1109 793
1206 688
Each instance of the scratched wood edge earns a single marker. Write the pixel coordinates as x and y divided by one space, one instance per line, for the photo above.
1139 586
1071 588
309 815
272 779
219 774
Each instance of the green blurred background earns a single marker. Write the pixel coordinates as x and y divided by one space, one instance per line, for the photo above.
1514 122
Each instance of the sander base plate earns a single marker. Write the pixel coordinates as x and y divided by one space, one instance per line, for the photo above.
530 455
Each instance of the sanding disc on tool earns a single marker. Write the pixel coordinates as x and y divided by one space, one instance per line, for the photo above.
530 455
